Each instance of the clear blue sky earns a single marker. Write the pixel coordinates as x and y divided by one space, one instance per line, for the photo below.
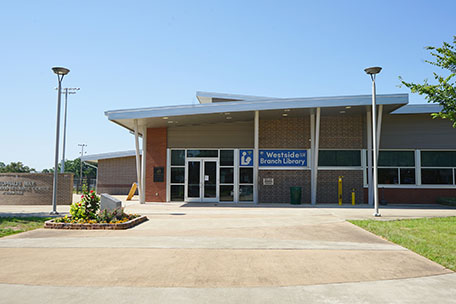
127 54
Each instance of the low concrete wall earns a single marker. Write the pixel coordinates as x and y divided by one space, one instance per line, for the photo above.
34 188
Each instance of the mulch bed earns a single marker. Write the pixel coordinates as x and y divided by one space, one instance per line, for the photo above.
97 226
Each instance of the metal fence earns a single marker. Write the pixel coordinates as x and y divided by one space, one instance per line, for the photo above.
90 183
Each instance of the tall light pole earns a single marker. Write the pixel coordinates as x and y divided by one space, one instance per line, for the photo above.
61 72
372 71
67 91
80 173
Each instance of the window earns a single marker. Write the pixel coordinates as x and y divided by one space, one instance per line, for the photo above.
396 168
202 153
177 177
339 158
246 184
226 186
438 167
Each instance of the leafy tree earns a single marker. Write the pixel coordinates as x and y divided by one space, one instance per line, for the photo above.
74 166
15 167
443 93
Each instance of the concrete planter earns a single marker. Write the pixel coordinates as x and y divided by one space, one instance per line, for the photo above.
97 226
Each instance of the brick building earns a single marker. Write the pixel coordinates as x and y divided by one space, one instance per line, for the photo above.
237 148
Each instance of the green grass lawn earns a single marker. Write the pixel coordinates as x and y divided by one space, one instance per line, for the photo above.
433 238
13 225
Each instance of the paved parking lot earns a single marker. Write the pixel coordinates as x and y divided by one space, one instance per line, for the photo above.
220 254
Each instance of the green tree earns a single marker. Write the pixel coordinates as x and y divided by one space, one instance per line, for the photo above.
74 166
444 92
15 167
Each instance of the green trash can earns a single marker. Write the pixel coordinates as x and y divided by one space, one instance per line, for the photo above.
295 195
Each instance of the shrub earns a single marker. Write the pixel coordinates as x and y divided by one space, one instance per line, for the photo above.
86 208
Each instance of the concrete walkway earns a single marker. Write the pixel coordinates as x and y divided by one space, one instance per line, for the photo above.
223 254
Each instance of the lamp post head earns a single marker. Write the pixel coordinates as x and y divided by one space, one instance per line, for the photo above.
372 70
60 70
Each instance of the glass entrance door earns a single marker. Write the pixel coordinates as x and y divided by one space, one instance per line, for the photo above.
202 180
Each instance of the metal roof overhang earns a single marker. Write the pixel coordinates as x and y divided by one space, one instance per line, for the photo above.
211 113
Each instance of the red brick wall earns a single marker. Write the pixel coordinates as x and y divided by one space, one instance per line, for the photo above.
412 196
155 157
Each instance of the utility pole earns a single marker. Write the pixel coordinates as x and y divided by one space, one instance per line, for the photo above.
66 91
82 154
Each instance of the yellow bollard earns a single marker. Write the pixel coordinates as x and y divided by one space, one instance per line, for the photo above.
132 191
339 192
353 196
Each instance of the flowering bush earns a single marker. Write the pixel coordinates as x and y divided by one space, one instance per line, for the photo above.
87 208
86 212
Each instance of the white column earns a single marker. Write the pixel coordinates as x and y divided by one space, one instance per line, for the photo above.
418 167
315 157
143 166
379 127
369 159
256 155
312 157
138 162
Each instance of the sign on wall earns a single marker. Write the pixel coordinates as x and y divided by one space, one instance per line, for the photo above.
275 158
283 158
245 158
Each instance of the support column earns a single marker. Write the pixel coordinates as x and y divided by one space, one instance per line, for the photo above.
379 127
315 158
142 198
370 199
256 155
138 162
312 157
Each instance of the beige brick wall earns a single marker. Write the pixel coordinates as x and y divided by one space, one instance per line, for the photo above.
328 186
283 180
34 188
116 175
336 132
287 133
342 132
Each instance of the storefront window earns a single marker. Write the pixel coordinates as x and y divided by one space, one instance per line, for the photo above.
177 157
177 193
177 175
202 153
438 167
226 193
246 193
246 175
437 176
339 158
226 157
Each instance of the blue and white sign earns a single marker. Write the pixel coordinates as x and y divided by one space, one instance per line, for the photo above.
246 158
283 158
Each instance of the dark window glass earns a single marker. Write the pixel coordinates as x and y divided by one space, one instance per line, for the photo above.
177 175
177 193
437 176
226 157
343 158
246 175
438 158
246 193
177 157
226 193
226 175
407 176
387 176
396 159
202 153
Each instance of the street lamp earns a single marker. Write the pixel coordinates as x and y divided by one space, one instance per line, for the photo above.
67 91
61 72
372 71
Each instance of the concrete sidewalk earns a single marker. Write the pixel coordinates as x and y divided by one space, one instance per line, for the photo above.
228 254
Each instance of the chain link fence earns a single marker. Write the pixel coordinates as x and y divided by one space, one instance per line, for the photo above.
79 184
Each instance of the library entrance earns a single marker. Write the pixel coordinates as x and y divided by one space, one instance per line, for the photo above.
202 180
